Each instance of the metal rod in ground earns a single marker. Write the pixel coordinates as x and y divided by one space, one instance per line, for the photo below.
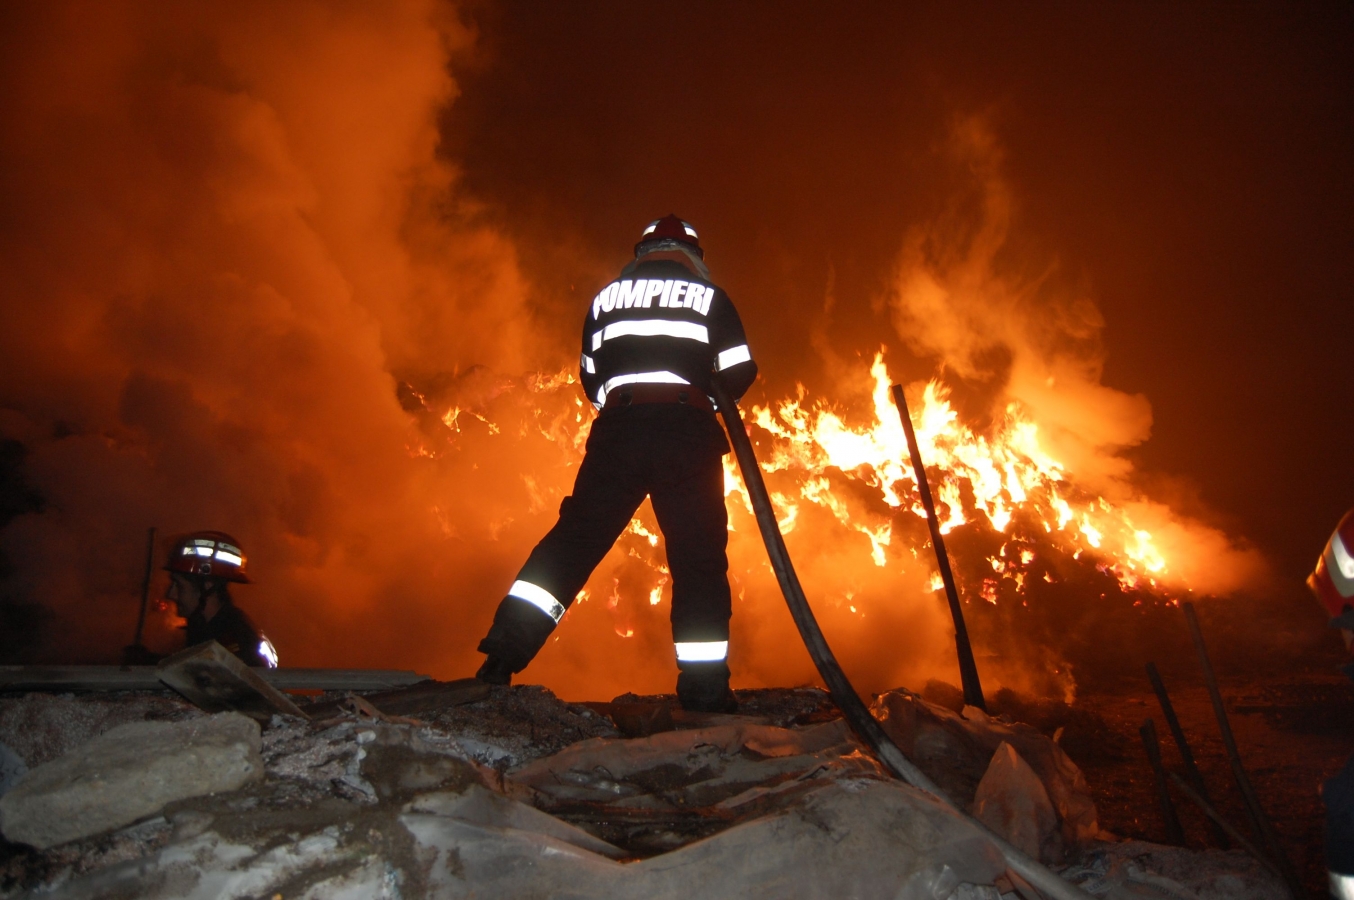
145 586
1174 833
857 715
1192 773
1216 818
1264 829
968 668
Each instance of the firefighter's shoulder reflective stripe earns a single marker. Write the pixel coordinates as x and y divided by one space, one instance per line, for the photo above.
1341 566
669 292
702 651
733 356
587 365
1341 886
638 378
538 597
691 331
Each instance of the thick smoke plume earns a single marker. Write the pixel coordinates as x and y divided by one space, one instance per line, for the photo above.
1007 335
226 232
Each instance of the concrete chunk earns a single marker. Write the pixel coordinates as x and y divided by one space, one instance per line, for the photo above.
128 773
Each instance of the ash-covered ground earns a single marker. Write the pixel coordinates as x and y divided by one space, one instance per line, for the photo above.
521 794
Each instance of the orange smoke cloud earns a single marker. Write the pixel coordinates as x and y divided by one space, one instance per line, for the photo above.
227 226
1023 340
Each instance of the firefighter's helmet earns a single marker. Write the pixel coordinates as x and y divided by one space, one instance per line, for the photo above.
1333 580
208 554
669 228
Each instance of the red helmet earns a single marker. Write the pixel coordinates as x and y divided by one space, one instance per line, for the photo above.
1333 580
671 228
210 554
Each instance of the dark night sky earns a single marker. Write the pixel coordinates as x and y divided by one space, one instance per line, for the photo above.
1186 167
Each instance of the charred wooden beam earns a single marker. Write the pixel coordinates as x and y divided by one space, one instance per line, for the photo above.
1192 773
1264 828
968 667
1216 818
1174 833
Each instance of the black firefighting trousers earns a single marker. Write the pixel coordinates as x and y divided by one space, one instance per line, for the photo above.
670 452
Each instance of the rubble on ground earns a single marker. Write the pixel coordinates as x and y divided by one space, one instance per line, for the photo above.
520 794
130 772
955 750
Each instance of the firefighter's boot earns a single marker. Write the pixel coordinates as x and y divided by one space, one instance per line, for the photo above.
704 687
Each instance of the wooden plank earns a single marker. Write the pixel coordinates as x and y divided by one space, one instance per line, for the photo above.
216 680
144 678
427 696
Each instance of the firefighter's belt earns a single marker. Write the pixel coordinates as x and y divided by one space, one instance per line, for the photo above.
633 394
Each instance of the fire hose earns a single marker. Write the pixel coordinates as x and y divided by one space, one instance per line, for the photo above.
858 716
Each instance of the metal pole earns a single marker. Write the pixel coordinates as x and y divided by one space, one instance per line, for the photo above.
843 694
145 586
1174 833
1264 829
1196 778
968 668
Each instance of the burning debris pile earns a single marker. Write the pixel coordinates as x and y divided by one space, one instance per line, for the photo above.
519 794
1059 572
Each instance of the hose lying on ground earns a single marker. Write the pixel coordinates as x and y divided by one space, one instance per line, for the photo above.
858 716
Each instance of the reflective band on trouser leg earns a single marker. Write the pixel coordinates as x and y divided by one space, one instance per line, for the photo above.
1342 886
702 651
538 597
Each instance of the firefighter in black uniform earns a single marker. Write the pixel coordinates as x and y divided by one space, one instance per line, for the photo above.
201 567
652 340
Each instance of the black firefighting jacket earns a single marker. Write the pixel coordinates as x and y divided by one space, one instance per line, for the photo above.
661 323
232 629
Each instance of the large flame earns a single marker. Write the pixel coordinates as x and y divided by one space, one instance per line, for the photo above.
1023 534
1003 474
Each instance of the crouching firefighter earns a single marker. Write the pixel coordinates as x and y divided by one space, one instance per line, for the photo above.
201 568
1333 584
652 340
